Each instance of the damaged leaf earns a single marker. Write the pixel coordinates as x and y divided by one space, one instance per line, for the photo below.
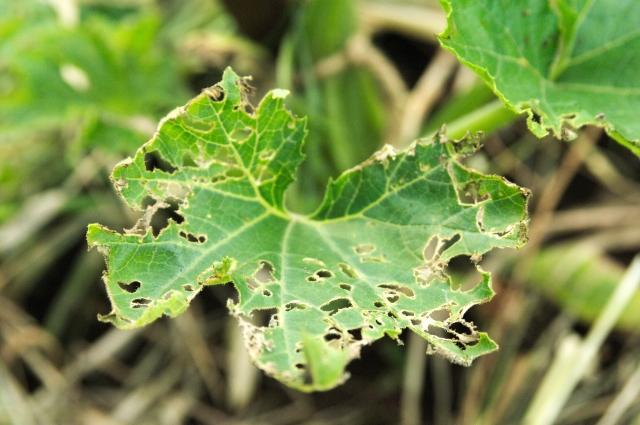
571 63
355 270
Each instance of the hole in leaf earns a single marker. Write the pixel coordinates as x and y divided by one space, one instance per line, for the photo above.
440 315
160 219
336 305
187 161
348 271
130 287
147 201
408 313
378 304
240 135
364 249
332 337
266 317
295 305
346 286
223 156
202 238
312 279
193 123
314 261
214 93
378 322
393 299
356 334
188 236
266 293
399 288
187 287
265 273
431 249
218 178
141 302
460 328
448 243
267 155
416 322
299 366
252 283
470 194
323 274
154 161
234 173
379 259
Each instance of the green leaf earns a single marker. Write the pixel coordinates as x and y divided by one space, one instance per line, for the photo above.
571 62
369 262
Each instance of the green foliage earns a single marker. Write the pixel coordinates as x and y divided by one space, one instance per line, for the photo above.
572 63
98 73
581 279
369 262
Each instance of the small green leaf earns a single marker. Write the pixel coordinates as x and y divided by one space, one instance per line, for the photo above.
369 262
572 63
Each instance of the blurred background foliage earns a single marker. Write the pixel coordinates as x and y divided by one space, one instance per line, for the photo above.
83 84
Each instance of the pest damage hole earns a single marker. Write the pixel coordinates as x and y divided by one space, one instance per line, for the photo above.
234 173
378 304
130 287
431 249
470 194
346 286
335 305
240 135
187 287
147 202
324 274
448 243
348 271
398 288
162 217
187 161
192 238
356 334
295 305
266 293
215 93
140 302
154 161
264 274
393 299
332 337
266 317
416 322
364 249
379 259
440 315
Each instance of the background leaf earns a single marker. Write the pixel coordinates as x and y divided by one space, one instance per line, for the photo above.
572 65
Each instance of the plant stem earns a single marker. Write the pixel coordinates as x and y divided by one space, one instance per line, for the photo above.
574 355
